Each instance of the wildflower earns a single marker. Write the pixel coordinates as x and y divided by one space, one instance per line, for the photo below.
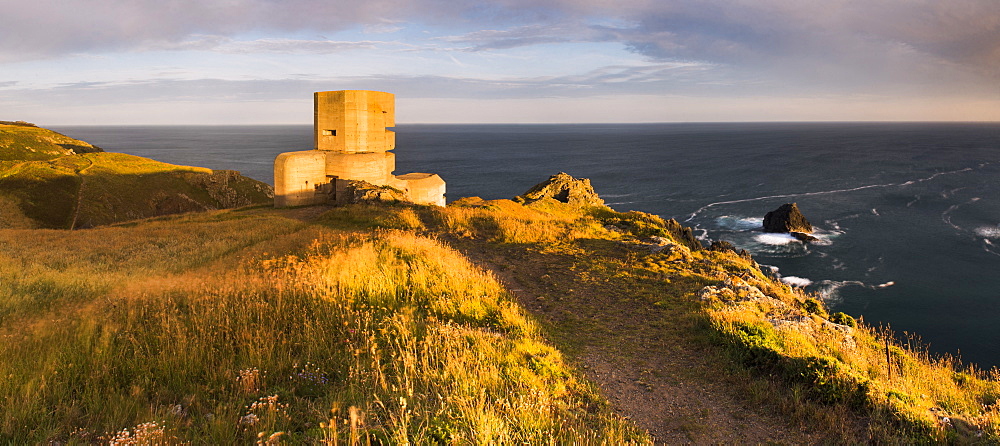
250 419
145 433
250 380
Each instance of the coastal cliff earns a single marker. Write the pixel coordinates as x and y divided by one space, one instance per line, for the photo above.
49 180
484 322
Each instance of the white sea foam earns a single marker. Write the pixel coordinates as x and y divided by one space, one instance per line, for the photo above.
988 231
796 281
825 238
830 289
989 247
776 239
827 192
739 223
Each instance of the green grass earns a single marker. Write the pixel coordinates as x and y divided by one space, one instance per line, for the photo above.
195 329
48 180
776 338
232 326
29 143
87 190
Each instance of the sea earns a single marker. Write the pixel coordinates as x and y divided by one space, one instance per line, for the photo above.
907 214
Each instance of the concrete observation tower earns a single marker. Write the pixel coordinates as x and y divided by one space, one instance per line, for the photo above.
352 143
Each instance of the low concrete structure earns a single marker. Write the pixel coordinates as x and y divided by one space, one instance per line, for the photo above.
352 143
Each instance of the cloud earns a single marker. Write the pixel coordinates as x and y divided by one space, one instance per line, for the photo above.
666 78
31 30
835 41
295 46
527 35
697 48
865 36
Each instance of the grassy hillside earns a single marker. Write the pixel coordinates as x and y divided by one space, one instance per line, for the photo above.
22 141
389 324
50 181
193 328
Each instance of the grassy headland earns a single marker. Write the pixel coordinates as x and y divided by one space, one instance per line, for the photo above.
486 322
194 328
48 180
371 322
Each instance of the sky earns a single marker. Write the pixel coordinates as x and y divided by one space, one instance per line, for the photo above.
133 62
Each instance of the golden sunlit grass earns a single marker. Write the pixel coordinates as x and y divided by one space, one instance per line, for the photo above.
198 328
362 326
911 395
48 180
769 327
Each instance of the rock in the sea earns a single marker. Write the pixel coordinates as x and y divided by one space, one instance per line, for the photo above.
803 237
787 218
563 187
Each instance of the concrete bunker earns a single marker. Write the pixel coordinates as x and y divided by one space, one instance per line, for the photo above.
351 143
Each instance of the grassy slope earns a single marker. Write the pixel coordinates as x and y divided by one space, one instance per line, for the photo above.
777 345
194 328
29 143
45 184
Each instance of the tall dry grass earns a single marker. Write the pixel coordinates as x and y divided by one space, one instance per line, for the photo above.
198 330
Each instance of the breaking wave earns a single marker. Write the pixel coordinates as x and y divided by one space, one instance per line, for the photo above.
735 223
988 232
775 239
828 192
796 281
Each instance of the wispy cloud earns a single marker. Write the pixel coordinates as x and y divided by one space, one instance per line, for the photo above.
504 48
527 35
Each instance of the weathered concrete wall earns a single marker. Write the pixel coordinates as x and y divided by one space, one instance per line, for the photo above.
354 121
296 175
424 188
375 168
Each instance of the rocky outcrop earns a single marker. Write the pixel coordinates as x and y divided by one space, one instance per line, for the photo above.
787 218
564 188
231 189
724 246
683 234
358 191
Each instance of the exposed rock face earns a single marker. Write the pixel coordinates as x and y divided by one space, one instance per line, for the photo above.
230 188
803 237
683 234
787 218
358 191
724 246
563 187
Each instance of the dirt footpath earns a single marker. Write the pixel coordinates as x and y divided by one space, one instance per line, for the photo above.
641 353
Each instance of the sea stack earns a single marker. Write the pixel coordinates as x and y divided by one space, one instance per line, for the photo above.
788 218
